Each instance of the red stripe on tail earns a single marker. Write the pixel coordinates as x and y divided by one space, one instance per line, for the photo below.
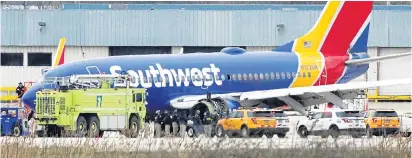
337 43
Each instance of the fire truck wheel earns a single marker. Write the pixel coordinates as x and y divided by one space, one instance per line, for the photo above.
81 126
94 127
134 127
16 130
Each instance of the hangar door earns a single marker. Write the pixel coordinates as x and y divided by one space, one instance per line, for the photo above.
117 51
394 69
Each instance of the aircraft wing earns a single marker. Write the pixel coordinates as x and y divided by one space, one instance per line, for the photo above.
320 89
298 97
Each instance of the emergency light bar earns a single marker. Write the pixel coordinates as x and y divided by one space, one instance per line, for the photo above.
74 78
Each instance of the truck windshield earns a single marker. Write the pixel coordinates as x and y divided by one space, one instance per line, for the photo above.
386 114
349 114
269 114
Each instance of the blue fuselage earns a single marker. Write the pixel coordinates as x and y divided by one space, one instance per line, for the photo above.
236 73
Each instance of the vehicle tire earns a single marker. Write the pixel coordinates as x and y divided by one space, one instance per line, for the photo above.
134 127
244 132
16 130
334 132
190 132
356 135
303 132
94 127
281 135
81 126
220 132
368 132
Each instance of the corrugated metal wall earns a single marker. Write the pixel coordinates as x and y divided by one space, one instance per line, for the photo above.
183 27
11 75
259 48
395 69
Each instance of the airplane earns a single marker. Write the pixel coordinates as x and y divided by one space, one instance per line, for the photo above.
312 69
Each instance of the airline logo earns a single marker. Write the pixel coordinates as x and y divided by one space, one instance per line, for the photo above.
162 77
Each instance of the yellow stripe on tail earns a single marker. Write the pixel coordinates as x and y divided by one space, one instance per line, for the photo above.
59 57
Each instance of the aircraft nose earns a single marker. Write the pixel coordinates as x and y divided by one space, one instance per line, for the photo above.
29 97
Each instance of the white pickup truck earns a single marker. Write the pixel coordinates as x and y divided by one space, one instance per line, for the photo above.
406 124
332 122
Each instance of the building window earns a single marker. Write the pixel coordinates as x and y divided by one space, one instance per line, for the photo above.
11 59
39 59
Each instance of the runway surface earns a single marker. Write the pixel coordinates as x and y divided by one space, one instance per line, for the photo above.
114 141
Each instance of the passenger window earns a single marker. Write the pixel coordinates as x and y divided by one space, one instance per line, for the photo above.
239 77
277 75
298 75
283 75
272 76
293 75
261 76
139 97
288 74
250 76
232 115
303 74
317 115
239 114
256 76
309 75
327 115
222 77
234 77
267 76
245 77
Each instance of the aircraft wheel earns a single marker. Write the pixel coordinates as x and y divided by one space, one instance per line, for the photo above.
94 127
16 130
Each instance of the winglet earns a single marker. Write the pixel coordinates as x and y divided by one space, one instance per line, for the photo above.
59 57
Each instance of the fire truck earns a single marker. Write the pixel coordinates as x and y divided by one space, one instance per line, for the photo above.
88 105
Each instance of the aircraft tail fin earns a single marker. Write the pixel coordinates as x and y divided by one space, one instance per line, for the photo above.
59 57
342 27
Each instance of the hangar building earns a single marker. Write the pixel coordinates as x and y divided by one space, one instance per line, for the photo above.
30 37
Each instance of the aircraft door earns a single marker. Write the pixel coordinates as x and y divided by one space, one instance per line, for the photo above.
323 74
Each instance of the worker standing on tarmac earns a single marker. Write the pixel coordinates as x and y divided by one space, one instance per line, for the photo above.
167 121
20 89
158 124
197 121
174 122
207 121
182 120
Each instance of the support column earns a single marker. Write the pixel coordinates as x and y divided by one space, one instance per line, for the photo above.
177 50
372 73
